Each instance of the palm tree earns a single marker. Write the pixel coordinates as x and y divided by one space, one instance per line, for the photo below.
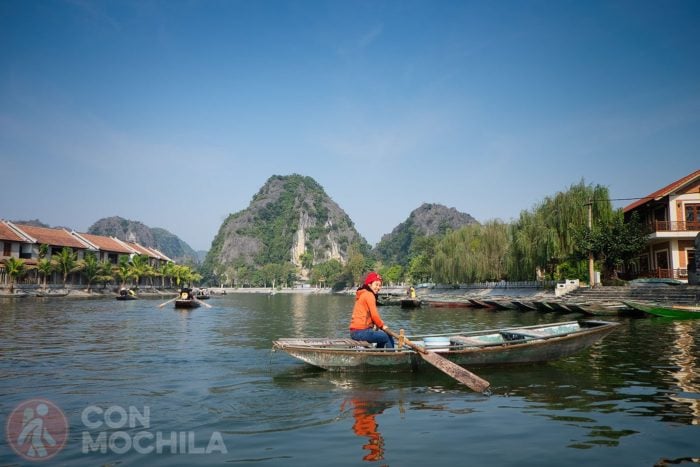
90 267
167 270
66 261
15 269
138 267
105 273
122 270
45 268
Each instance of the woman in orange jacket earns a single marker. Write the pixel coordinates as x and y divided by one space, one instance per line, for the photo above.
365 316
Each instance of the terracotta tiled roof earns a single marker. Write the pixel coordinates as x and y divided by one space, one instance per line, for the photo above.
665 191
6 233
53 237
106 243
142 250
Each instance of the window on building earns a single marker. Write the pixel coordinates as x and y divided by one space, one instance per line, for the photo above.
692 216
691 260
25 251
7 249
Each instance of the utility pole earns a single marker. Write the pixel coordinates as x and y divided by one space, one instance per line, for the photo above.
591 272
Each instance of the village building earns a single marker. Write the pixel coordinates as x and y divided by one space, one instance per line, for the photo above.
672 215
25 242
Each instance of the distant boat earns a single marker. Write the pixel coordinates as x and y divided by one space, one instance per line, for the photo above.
186 299
16 294
125 294
448 304
524 306
499 305
202 294
410 302
52 293
667 311
543 306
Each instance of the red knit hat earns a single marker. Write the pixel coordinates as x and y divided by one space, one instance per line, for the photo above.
371 277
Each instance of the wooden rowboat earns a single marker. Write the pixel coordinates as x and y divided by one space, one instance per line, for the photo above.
410 303
526 344
667 311
186 303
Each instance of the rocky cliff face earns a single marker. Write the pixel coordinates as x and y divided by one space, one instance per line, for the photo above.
290 220
426 220
135 231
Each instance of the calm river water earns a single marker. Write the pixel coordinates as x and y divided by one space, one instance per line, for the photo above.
149 386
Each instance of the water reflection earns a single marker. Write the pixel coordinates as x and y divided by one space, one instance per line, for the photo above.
686 373
365 409
212 370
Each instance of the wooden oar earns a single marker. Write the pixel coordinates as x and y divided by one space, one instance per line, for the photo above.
199 301
464 376
169 301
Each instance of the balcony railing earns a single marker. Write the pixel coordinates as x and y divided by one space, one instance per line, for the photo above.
659 273
674 226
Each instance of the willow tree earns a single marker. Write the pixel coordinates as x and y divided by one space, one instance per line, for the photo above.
544 238
474 253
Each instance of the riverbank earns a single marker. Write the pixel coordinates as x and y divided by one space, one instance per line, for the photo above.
425 294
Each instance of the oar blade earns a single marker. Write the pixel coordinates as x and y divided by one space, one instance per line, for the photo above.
462 375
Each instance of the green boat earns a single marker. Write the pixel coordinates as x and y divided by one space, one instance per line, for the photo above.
667 311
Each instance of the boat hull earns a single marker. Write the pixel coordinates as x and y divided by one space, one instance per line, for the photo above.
348 355
676 312
186 304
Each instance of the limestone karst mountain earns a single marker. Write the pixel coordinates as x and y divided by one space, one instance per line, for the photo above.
291 220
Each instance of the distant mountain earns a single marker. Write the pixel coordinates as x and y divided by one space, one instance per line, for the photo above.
152 237
426 220
290 220
33 223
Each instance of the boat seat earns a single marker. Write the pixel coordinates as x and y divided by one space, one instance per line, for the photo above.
462 340
529 333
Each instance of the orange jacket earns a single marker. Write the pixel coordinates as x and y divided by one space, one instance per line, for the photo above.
364 313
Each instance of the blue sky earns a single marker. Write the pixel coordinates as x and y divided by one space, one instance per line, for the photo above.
174 113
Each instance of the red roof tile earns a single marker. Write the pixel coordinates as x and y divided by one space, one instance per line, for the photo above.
665 191
106 243
53 237
6 233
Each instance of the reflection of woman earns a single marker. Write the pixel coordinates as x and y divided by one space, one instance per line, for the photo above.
366 426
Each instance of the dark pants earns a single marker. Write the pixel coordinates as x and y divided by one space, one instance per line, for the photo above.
381 338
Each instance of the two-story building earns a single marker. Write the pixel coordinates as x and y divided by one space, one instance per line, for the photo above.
24 242
672 215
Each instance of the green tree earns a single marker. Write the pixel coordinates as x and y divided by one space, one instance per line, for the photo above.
307 260
122 270
327 273
106 273
615 242
543 239
138 267
90 268
355 268
65 262
473 253
45 268
15 269
392 274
